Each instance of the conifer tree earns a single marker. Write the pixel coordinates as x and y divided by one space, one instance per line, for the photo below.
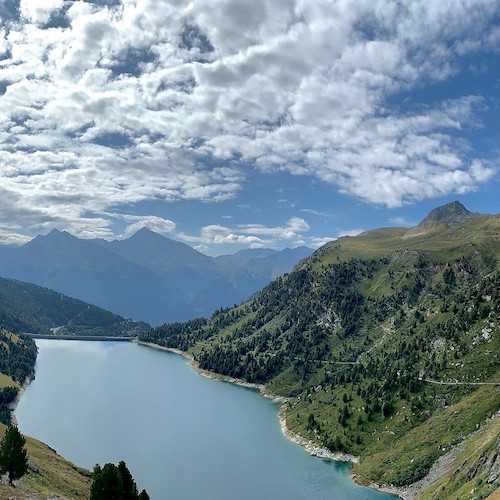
113 482
129 487
13 455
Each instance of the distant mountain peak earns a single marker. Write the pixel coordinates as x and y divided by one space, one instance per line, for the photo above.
447 215
145 231
53 235
57 233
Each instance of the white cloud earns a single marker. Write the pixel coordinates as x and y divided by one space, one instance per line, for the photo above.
238 239
143 100
252 235
289 231
39 11
154 223
317 242
8 238
201 248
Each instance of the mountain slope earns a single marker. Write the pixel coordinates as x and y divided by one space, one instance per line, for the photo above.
266 263
25 307
49 475
206 283
157 253
243 257
383 343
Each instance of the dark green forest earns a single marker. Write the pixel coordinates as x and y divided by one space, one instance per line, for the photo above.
17 361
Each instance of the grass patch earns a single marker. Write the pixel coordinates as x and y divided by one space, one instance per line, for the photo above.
6 381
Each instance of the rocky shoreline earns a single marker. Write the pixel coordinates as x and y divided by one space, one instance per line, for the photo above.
312 448
13 404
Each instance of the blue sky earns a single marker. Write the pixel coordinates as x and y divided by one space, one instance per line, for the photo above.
232 124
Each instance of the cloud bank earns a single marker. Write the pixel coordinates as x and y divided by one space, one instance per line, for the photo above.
104 104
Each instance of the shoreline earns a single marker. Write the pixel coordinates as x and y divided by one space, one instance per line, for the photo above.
312 448
13 404
263 390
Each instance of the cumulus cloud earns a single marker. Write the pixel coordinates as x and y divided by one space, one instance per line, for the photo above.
39 11
289 231
317 242
104 104
154 223
253 235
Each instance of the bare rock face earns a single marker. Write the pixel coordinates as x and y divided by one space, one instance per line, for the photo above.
447 215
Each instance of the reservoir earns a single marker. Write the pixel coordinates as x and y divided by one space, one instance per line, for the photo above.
183 436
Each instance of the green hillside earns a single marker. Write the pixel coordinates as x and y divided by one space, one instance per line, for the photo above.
17 363
49 476
382 341
25 307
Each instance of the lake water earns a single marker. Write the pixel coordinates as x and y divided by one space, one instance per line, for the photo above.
183 436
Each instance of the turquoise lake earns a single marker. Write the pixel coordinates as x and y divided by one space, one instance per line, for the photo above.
183 436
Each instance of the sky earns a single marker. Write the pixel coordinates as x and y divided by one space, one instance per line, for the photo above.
231 124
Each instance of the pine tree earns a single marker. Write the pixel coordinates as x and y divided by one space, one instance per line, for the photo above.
113 482
129 487
13 455
107 483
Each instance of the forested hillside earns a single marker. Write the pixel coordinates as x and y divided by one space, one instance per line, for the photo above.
386 343
17 363
29 308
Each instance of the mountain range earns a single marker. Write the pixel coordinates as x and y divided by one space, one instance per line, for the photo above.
146 277
387 347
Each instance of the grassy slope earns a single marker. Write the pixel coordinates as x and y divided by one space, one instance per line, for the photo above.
54 476
438 333
6 381
471 471
437 434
